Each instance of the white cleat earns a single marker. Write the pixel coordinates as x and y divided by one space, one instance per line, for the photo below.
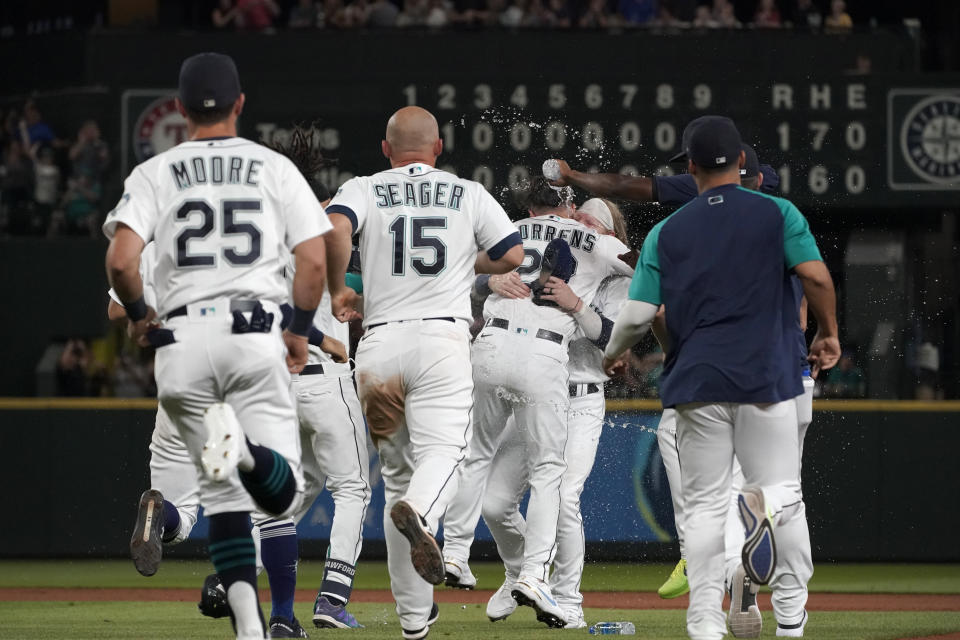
792 630
744 619
458 575
532 592
501 603
574 618
225 442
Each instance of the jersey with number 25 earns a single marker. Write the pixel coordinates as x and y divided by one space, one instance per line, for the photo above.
223 212
420 231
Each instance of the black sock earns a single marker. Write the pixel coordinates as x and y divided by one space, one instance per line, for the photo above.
270 483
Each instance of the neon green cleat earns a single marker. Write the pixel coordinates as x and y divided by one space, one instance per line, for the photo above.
676 585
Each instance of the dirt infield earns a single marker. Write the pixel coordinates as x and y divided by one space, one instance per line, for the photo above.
596 599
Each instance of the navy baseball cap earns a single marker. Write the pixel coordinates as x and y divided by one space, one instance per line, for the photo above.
751 168
710 141
208 81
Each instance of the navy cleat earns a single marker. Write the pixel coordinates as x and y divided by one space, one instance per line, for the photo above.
759 548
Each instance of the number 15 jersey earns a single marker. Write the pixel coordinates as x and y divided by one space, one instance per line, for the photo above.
420 231
223 212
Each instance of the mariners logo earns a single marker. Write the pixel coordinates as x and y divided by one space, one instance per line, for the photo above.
925 130
159 127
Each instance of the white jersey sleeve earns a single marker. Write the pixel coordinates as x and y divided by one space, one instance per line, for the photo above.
585 363
137 207
609 250
494 231
351 201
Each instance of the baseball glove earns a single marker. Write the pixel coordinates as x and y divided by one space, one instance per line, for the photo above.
558 262
213 598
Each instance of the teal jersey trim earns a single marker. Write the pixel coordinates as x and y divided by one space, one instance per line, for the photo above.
799 244
355 282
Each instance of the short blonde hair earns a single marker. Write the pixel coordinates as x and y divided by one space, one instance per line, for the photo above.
619 224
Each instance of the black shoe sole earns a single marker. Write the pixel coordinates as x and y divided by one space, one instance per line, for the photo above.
424 550
146 545
546 618
452 581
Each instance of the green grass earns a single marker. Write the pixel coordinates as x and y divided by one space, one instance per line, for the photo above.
840 578
106 620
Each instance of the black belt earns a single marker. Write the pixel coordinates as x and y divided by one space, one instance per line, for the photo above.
312 370
543 334
591 388
380 324
235 305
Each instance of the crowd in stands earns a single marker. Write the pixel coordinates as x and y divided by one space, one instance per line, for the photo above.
268 15
49 185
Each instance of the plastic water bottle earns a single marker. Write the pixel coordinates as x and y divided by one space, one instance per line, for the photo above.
613 629
551 169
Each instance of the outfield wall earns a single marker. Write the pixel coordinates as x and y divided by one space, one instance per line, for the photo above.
880 482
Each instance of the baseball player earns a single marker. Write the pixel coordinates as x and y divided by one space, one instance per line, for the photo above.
519 363
221 209
424 233
720 265
507 479
744 619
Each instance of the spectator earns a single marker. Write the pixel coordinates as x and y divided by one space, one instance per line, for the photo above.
79 213
559 14
225 15
257 15
767 15
356 14
38 131
46 188
89 155
704 18
724 15
414 13
438 14
133 376
513 15
334 15
637 11
73 365
382 14
595 16
839 19
846 380
305 15
807 15
665 18
16 182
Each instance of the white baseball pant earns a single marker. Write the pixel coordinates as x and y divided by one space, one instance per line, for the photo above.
765 438
208 364
333 438
173 473
416 389
521 375
508 482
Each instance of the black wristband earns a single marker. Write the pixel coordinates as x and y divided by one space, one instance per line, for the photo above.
136 310
301 321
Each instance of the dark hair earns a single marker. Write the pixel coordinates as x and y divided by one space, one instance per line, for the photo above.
307 157
207 118
544 196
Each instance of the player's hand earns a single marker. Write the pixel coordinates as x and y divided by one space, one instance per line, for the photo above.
137 331
824 353
565 172
347 305
615 366
296 351
556 290
334 348
509 285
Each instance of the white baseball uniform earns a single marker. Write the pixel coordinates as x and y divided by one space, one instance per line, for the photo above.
223 213
519 367
509 472
420 231
172 472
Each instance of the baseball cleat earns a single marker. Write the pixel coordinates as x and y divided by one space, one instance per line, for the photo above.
434 615
146 544
759 549
792 630
575 619
422 633
531 592
281 627
676 585
424 550
327 615
224 445
744 618
457 577
501 603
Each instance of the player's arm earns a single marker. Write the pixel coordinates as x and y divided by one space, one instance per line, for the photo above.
659 328
347 213
607 185
802 255
504 262
123 273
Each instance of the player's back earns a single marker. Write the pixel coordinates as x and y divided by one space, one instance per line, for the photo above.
595 258
220 211
420 231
